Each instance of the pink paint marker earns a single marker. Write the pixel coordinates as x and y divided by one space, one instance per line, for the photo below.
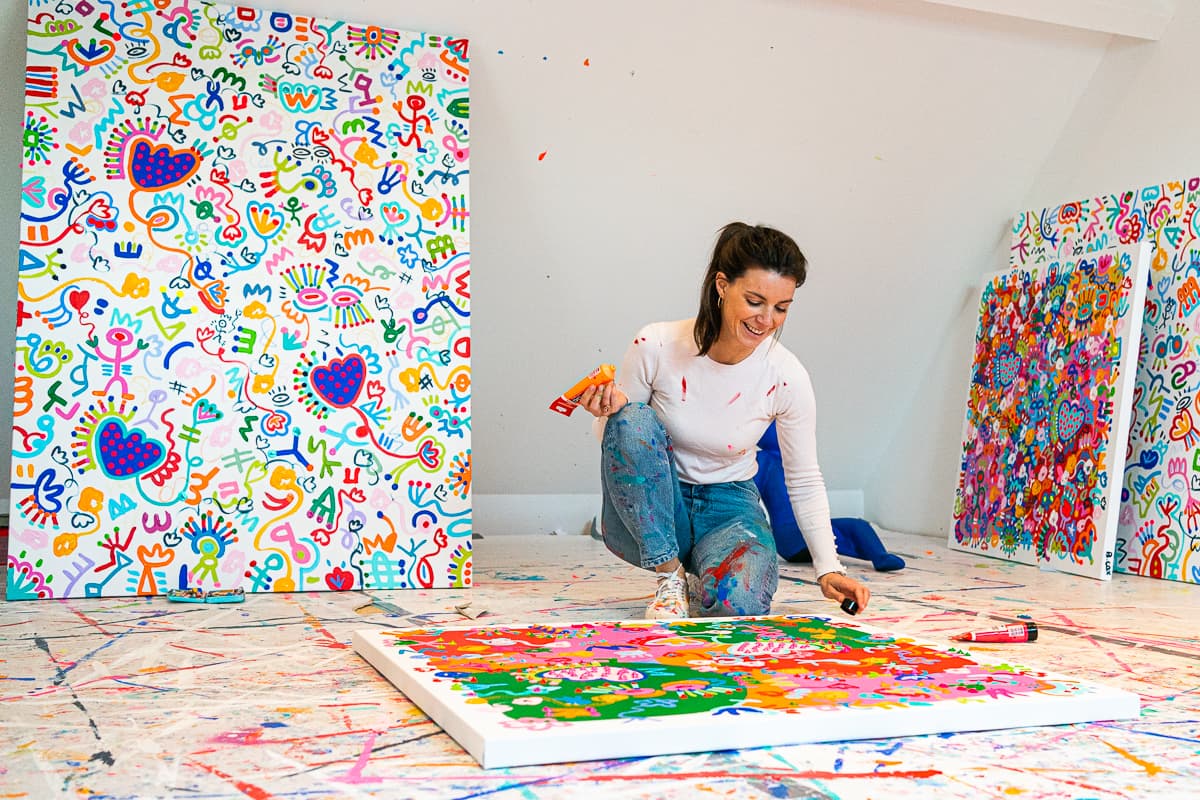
1021 632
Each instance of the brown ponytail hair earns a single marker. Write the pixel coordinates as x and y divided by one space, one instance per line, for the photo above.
740 247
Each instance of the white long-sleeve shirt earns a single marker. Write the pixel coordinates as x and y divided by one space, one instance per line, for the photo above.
716 413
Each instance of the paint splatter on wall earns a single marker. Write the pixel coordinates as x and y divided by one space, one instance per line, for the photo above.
1159 531
1048 410
243 345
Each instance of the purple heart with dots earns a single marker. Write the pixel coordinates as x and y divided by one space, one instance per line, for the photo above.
125 454
153 168
339 382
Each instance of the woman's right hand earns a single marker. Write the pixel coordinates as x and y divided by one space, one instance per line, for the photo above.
603 401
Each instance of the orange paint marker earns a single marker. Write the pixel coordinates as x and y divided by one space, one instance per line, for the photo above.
1021 632
566 403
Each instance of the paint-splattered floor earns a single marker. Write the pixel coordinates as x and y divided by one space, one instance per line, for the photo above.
141 698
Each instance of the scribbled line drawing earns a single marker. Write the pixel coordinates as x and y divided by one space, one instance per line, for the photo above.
243 345
1159 531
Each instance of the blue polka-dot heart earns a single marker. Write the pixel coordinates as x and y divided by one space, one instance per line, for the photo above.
339 382
126 453
1005 364
153 167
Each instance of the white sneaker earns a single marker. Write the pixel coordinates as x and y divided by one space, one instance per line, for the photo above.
670 599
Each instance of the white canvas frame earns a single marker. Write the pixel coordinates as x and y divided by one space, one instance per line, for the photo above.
1106 519
482 731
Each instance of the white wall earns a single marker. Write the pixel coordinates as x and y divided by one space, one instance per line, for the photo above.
1135 125
892 138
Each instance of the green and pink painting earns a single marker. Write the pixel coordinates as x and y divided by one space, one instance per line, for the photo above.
518 695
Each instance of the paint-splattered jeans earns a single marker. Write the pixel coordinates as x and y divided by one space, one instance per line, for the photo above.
718 531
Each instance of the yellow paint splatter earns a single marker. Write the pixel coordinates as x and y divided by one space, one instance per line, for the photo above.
1151 769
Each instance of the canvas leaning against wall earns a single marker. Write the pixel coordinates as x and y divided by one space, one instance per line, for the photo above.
1159 531
243 345
539 694
1048 411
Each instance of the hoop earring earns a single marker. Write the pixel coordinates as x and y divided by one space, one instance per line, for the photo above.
720 300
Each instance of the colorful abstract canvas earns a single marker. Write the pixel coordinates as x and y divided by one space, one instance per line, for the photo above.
538 694
1159 530
243 345
1048 411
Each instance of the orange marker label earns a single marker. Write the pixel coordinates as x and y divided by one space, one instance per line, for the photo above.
568 401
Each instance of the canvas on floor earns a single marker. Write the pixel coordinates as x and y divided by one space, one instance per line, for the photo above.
537 694
243 345
1048 411
1158 535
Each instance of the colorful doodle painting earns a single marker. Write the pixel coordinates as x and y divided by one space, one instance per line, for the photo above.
243 347
1159 531
541 694
1048 411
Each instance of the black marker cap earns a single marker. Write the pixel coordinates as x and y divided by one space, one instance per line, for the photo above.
850 606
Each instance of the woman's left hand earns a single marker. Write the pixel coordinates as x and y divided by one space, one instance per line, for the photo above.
838 587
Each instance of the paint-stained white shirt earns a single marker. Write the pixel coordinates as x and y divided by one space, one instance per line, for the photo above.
716 413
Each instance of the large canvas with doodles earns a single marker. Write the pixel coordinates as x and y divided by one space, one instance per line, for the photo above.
1048 411
243 345
1159 531
539 694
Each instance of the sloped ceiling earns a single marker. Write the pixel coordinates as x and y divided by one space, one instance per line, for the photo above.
1138 19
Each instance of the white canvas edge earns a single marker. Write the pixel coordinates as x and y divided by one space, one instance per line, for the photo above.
494 745
1123 405
1102 568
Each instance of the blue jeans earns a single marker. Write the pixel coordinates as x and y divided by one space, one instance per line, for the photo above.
718 531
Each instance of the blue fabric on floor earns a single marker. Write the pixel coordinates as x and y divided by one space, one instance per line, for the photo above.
854 537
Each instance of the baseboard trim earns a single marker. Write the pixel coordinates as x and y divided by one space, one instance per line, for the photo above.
507 514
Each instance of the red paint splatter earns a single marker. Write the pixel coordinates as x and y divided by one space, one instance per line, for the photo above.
773 387
734 399
685 390
722 570
248 789
542 155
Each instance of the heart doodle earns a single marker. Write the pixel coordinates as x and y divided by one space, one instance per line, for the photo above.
340 382
155 167
207 411
1005 366
1068 419
265 218
1181 425
126 453
339 580
430 455
33 191
77 298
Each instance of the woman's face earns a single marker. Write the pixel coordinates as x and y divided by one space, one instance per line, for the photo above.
753 306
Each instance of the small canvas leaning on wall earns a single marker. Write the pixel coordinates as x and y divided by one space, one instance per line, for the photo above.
1048 411
1158 535
243 345
539 694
